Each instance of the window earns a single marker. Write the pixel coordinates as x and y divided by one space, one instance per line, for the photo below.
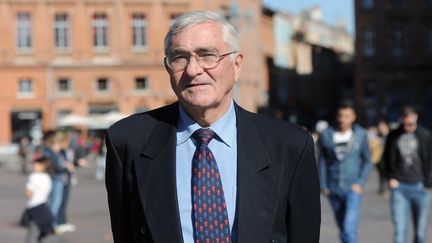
370 87
25 86
370 100
63 113
428 3
102 85
24 31
100 30
397 36
64 85
368 43
367 4
62 31
141 83
139 30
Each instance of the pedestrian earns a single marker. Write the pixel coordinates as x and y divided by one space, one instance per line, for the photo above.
320 127
52 146
383 130
345 165
101 163
67 156
408 159
37 217
25 151
94 145
203 169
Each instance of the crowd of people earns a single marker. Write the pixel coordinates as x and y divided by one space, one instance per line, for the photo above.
346 153
48 188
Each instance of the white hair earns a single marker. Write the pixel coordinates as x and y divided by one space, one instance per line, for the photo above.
190 19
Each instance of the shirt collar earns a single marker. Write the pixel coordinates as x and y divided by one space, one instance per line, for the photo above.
224 127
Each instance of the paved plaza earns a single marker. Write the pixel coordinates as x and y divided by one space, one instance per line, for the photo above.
88 211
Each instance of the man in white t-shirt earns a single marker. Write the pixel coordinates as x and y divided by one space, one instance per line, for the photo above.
344 167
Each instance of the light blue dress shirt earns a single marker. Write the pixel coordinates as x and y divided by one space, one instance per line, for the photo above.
224 148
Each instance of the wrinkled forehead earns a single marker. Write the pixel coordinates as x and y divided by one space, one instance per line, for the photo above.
205 35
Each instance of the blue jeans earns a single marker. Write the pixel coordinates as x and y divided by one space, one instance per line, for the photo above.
346 209
406 197
56 196
62 216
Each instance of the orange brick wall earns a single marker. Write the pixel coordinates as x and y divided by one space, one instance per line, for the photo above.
44 65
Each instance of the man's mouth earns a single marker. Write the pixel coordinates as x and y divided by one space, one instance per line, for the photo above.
195 85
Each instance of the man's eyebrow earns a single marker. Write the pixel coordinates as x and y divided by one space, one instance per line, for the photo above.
205 49
178 51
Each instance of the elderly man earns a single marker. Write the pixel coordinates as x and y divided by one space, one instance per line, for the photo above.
203 169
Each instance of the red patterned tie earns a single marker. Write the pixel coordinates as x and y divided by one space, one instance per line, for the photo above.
209 212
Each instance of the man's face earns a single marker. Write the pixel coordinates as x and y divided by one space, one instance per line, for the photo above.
204 88
409 122
383 128
346 117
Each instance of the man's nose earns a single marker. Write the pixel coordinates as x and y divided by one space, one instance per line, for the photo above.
193 68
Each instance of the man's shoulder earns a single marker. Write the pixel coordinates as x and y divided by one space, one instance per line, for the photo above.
424 132
145 120
359 129
424 129
395 133
274 128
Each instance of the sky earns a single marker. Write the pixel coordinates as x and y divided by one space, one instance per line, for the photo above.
332 10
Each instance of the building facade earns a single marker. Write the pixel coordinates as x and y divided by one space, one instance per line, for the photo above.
394 58
311 69
85 57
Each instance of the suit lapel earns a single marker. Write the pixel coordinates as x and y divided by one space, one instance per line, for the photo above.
257 181
156 179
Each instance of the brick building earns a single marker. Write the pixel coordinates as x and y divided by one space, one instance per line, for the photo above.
85 57
394 58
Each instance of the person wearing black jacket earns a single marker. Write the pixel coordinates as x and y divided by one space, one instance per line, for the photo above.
157 161
408 161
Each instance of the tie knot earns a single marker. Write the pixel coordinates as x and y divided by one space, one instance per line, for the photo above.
203 135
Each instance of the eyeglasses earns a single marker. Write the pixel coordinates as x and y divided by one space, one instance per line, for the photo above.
206 60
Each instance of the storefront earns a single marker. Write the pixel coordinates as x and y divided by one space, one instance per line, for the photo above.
26 123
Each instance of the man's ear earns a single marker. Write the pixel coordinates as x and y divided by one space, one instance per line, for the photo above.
166 66
237 65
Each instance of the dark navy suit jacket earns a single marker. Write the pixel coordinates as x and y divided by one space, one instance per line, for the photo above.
278 194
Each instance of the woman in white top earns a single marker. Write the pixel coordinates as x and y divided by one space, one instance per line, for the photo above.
37 216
